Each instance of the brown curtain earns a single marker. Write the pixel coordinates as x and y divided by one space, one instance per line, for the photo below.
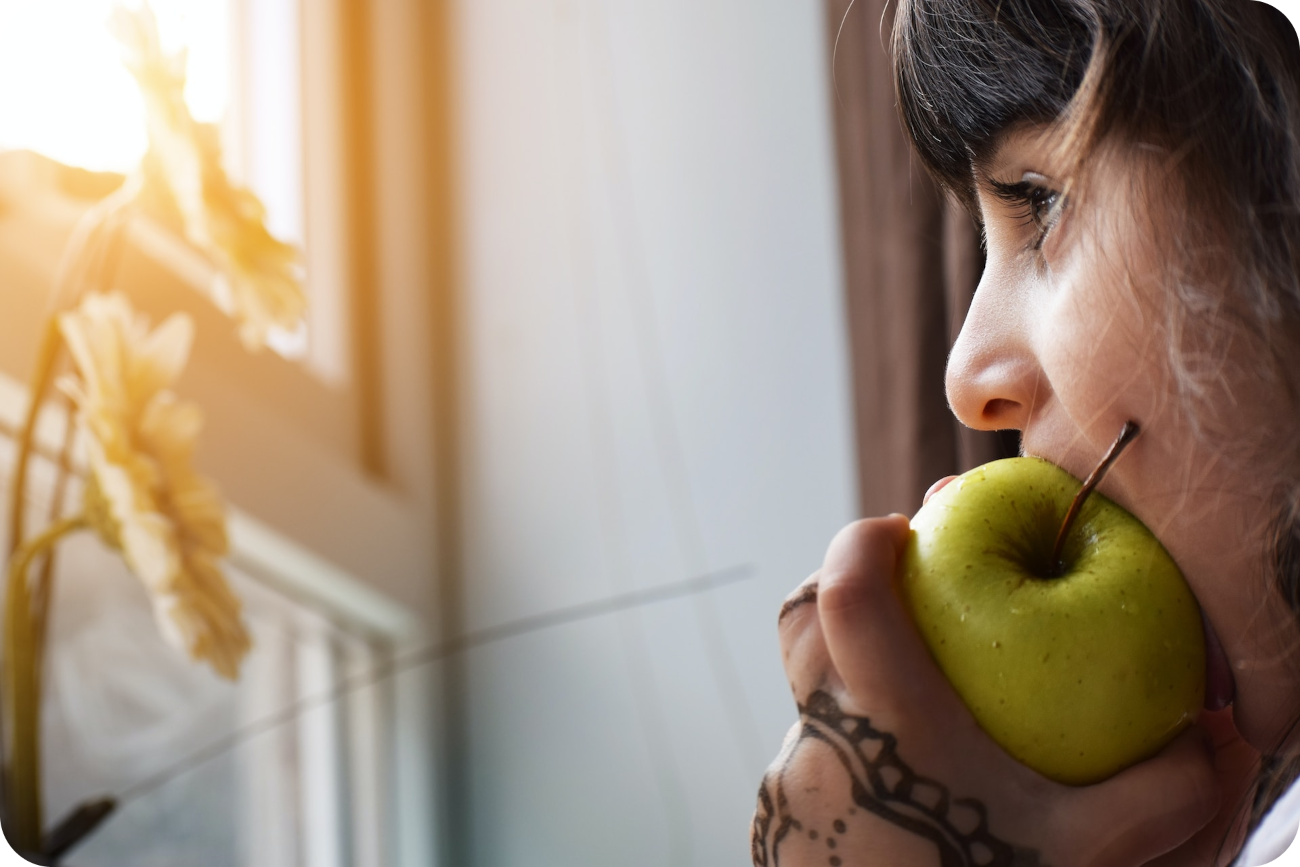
912 260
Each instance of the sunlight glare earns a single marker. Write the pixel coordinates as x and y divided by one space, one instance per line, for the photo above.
67 94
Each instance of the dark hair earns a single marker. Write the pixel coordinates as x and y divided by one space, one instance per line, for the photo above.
1213 81
1215 86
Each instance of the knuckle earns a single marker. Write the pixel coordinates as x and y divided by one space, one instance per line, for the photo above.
842 590
858 533
803 597
865 541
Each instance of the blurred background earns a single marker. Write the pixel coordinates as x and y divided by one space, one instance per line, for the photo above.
619 311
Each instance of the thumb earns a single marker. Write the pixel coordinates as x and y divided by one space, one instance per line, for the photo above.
872 642
1154 806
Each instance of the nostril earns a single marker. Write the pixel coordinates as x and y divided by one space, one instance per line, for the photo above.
999 410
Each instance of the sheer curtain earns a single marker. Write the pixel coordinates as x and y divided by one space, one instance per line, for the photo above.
912 260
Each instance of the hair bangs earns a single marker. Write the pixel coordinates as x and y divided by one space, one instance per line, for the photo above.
966 70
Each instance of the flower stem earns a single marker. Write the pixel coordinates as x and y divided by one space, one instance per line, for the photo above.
19 663
69 283
41 376
42 585
22 691
108 218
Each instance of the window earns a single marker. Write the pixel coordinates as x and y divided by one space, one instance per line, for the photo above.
245 73
326 451
335 451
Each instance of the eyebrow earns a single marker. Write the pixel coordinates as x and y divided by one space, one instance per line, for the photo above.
984 168
1002 140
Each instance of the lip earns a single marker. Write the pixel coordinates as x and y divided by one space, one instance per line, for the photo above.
936 488
1220 685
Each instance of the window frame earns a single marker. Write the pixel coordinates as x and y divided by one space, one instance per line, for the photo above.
340 484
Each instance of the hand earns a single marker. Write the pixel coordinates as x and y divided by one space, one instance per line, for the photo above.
1236 767
887 767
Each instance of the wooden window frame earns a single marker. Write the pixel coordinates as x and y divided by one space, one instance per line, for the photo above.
339 479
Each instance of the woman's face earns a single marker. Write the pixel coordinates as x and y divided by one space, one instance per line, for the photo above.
1067 339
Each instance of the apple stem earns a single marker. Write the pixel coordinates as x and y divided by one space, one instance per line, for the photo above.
1127 434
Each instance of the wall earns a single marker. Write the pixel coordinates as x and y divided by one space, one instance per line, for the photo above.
654 391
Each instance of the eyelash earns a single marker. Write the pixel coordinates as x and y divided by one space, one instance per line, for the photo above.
1037 204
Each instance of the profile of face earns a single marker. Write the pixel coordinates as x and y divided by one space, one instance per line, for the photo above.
1068 337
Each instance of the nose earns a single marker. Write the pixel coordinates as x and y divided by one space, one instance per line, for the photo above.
994 380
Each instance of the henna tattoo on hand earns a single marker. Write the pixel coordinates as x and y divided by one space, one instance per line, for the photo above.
879 782
807 594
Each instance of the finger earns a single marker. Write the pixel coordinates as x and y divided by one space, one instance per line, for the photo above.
871 639
805 595
803 649
936 488
1236 770
1154 806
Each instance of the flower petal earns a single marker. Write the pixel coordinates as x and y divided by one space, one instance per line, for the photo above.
167 519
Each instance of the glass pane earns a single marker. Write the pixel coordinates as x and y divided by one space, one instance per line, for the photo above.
71 98
122 706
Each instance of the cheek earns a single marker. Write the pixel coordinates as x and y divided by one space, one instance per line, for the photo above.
1101 355
1109 306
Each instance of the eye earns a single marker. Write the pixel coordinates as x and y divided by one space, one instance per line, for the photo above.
1036 204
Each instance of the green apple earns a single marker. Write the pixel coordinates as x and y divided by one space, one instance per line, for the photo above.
1079 668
